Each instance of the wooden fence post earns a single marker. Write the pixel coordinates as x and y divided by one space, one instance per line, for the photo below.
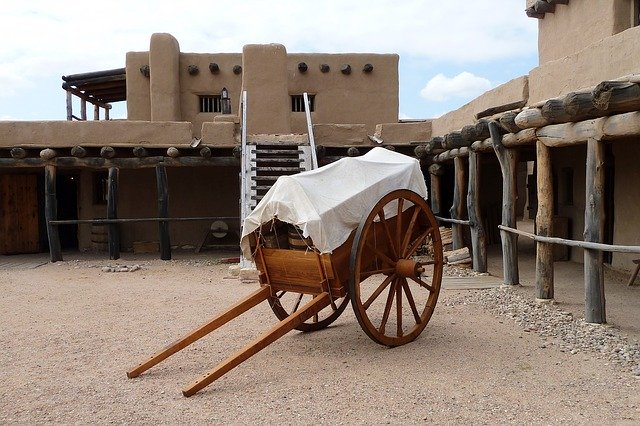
51 212
478 236
112 213
163 212
459 202
508 159
544 222
595 311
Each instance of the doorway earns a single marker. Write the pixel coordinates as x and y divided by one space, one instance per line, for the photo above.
67 195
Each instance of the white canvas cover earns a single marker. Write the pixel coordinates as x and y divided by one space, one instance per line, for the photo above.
328 203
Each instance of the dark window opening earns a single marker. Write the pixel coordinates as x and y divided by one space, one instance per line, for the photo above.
297 103
100 187
210 103
636 13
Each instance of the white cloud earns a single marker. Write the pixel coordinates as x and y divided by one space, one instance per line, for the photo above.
464 85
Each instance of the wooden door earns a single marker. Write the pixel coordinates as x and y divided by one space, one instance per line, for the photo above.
19 214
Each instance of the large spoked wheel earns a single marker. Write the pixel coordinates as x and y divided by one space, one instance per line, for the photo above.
396 268
285 303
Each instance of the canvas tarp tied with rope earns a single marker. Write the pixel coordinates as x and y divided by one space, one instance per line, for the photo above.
328 203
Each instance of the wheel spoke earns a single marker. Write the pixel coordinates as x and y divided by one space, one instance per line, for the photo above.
387 232
399 225
409 231
399 306
412 302
379 290
282 293
387 307
367 274
417 243
423 284
380 254
297 305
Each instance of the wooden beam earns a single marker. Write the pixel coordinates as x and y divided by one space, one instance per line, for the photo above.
555 112
96 112
113 233
163 212
51 212
595 311
18 153
478 236
544 223
83 109
69 106
121 163
617 96
500 108
531 117
508 122
522 138
459 207
508 159
78 151
89 99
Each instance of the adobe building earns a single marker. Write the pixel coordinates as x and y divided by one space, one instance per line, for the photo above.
560 145
177 153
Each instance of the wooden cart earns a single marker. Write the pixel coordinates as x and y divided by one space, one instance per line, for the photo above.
390 269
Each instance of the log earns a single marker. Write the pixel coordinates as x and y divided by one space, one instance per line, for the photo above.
457 254
558 1
140 151
107 152
468 133
478 236
617 96
205 152
500 108
541 6
113 235
173 152
531 117
433 144
508 159
453 140
302 67
420 152
481 146
78 152
214 68
531 13
595 311
237 69
325 68
522 138
579 106
51 212
96 112
459 207
559 135
18 152
353 151
508 122
163 212
544 223
69 106
48 154
83 109
345 69
367 68
553 110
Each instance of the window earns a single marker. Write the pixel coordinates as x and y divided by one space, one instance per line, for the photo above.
297 103
210 103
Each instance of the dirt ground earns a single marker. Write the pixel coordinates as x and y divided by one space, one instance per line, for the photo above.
70 331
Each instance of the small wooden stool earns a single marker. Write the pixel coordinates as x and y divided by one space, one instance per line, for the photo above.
635 273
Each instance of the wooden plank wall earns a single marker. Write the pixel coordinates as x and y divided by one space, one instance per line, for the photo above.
19 214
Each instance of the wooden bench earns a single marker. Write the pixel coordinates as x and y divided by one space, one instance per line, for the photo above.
635 273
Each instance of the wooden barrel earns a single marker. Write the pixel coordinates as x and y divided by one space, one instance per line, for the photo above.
99 238
296 242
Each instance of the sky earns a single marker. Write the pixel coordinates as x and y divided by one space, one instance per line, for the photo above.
450 51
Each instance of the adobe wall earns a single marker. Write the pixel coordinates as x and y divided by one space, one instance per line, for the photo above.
52 134
206 82
164 54
613 57
626 154
138 89
511 91
356 98
579 24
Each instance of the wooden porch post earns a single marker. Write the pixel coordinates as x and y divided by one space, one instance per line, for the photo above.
544 223
478 236
435 171
96 112
112 213
163 212
594 232
83 109
508 159
69 106
459 202
51 212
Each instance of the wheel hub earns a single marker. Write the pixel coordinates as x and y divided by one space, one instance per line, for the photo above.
409 268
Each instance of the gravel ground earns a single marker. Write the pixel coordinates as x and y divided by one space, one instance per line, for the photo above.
72 329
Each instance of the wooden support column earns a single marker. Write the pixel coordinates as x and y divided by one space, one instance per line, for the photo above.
594 232
478 236
163 212
459 202
435 171
113 232
544 222
69 106
508 159
51 212
106 113
83 109
96 112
